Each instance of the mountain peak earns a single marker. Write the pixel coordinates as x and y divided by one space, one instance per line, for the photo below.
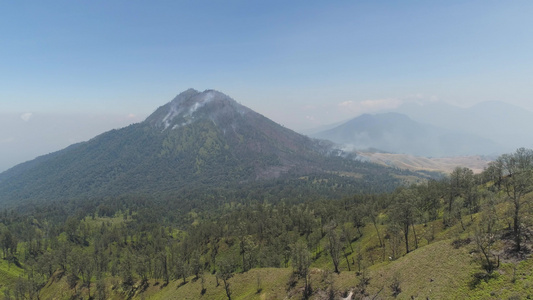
192 105
199 141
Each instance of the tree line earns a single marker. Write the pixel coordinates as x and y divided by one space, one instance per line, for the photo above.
134 241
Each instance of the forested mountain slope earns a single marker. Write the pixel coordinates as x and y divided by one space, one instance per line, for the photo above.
467 236
199 141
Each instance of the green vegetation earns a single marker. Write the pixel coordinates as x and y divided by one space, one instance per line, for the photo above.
465 236
200 162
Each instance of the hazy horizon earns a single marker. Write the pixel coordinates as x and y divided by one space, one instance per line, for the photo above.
303 64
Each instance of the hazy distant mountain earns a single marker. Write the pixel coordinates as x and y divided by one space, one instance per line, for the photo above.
505 124
199 140
315 130
397 133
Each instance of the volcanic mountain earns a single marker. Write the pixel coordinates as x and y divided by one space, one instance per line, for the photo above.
199 140
397 133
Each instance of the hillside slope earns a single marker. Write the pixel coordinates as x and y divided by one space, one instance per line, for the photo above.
436 271
436 164
198 141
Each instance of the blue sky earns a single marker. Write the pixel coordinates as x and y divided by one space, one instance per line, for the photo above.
301 63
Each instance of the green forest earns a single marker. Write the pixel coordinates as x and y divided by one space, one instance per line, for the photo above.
465 235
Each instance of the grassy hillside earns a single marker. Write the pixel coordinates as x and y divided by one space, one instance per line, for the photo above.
9 273
435 270
464 237
435 164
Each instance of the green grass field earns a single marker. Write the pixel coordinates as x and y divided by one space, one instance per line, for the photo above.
9 273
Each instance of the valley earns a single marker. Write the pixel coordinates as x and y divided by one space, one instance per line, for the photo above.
265 150
207 199
436 164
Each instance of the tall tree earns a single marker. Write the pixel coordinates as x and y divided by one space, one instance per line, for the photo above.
301 260
461 184
484 239
8 242
334 246
494 173
373 215
403 211
226 267
517 181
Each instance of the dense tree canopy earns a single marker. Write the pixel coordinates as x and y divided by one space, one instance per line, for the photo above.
135 239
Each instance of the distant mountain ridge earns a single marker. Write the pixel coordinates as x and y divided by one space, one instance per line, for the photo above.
397 133
198 141
505 124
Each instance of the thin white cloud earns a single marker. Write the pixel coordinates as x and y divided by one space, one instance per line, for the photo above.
420 99
26 116
7 140
372 106
368 106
